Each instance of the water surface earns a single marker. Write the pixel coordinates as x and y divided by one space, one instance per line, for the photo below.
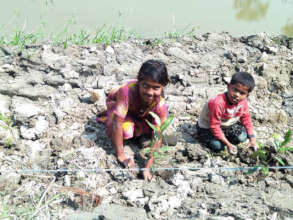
152 18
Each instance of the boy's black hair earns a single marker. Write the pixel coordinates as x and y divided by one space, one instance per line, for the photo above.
154 70
243 78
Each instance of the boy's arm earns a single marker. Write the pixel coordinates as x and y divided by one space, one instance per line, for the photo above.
216 111
245 119
231 148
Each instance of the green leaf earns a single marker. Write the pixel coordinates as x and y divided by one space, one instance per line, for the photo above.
277 145
265 170
9 142
285 149
263 157
166 123
287 138
260 146
280 161
145 150
259 153
153 168
151 125
277 136
156 135
3 126
152 143
164 148
156 117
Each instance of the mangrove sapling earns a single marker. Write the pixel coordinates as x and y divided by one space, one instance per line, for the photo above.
158 131
272 155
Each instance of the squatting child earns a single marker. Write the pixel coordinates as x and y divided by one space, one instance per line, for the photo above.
225 119
129 106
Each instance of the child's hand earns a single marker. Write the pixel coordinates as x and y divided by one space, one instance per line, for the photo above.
147 175
252 143
232 149
127 162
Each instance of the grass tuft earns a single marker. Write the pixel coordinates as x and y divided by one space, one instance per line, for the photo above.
103 35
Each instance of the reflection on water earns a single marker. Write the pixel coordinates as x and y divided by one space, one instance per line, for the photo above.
288 29
148 19
251 10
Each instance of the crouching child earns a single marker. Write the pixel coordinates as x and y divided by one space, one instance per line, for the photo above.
225 120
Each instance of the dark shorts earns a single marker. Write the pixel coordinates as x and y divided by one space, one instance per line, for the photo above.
231 133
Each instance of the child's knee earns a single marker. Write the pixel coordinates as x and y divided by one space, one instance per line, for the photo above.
216 145
128 130
242 137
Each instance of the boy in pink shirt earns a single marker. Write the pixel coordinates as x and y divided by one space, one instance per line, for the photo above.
225 119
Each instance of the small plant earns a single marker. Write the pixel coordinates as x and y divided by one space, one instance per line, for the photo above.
158 130
280 144
272 155
7 124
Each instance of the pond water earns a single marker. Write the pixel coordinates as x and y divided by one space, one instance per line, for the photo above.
152 18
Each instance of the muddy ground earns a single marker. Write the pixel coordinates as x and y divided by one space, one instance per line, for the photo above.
54 155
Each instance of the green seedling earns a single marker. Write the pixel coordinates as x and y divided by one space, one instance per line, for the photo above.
280 144
159 154
158 130
270 156
7 124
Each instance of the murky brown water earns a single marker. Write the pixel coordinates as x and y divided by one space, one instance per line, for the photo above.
150 18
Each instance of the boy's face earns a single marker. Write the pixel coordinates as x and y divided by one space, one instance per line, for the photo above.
149 90
237 92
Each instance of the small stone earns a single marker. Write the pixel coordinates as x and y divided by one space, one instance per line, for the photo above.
170 139
67 87
174 202
93 49
133 195
216 179
80 174
67 180
242 59
10 178
113 190
110 50
75 126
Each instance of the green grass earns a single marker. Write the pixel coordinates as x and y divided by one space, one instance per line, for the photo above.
32 208
7 123
272 155
186 31
102 35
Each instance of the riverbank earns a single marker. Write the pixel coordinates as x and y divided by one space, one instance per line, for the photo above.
47 89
